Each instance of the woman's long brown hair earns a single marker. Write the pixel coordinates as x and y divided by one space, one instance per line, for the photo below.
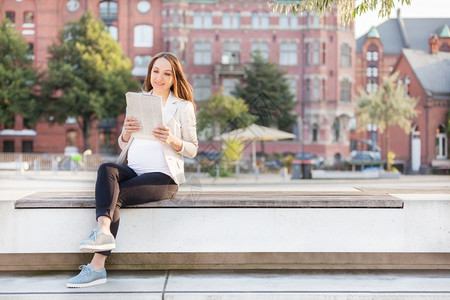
180 87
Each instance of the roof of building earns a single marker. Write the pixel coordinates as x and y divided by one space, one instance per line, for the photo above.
396 34
431 69
445 33
373 33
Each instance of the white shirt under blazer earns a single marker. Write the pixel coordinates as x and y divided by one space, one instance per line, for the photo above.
179 116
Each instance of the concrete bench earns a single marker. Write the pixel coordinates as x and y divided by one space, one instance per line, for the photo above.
231 230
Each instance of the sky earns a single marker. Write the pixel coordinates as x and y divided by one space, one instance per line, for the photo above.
417 9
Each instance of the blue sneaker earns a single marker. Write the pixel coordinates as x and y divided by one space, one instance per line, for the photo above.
98 241
87 277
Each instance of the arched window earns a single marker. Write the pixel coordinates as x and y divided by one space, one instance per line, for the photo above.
108 11
315 133
255 20
441 143
265 22
143 36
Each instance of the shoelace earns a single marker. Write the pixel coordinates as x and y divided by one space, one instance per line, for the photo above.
94 233
84 271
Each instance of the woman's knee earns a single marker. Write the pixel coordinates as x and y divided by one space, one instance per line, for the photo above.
106 168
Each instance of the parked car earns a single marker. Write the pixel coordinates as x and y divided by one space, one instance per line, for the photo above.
366 156
316 160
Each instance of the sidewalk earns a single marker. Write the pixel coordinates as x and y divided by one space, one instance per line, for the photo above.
234 284
229 284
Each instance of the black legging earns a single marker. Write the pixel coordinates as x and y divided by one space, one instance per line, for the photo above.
119 186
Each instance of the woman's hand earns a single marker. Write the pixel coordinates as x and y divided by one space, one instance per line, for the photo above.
164 134
130 125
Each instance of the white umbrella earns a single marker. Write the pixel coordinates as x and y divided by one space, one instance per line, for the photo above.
255 133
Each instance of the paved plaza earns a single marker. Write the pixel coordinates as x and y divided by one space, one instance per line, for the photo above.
235 284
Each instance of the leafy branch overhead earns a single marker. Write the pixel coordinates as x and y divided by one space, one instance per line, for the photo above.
347 8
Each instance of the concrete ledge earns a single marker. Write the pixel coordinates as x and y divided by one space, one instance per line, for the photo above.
231 261
199 199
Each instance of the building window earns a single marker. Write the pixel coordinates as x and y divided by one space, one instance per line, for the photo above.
236 20
255 20
30 51
288 54
202 88
316 53
143 36
346 61
372 86
207 20
204 20
308 90
114 32
8 146
441 143
28 19
226 20
262 47
294 20
141 65
324 86
315 133
316 89
336 131
108 11
230 53
372 72
407 86
202 53
198 19
175 17
11 16
293 86
265 22
229 85
372 56
345 90
323 53
27 146
283 21
106 141
308 54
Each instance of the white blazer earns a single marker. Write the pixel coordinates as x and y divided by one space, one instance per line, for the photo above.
179 116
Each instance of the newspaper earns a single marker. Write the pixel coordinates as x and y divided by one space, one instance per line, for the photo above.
147 109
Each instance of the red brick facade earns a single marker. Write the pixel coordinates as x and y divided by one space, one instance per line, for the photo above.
214 40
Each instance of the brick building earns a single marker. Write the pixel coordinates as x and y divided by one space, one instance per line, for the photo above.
214 40
402 45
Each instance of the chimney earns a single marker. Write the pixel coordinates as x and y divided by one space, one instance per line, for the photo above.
433 41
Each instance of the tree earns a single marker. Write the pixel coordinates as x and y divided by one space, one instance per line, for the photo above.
388 106
88 75
347 8
18 78
266 91
223 113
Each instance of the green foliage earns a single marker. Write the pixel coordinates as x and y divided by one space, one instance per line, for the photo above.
266 91
18 78
224 112
233 151
347 8
88 75
388 106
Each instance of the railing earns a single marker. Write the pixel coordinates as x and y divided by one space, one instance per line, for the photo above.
52 161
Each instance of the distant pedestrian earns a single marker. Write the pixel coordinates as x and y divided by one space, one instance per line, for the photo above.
148 170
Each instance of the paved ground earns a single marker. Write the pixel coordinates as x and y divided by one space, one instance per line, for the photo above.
229 284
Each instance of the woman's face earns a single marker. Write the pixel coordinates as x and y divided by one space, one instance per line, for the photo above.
162 76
